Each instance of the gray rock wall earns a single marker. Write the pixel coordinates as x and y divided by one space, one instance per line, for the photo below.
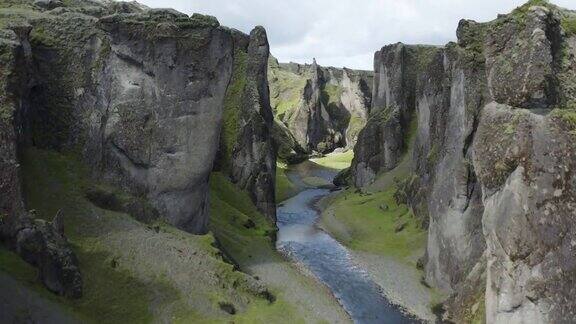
38 242
324 108
157 112
493 160
141 93
253 160
529 223
449 100
383 141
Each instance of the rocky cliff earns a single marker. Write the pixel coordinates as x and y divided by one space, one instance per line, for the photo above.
144 97
383 141
492 161
247 149
322 108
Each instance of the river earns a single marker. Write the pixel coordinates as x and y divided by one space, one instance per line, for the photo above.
303 242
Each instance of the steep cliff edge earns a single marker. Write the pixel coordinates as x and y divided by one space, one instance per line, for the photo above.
491 162
382 142
323 108
140 96
247 151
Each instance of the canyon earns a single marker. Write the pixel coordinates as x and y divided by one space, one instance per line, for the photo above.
159 161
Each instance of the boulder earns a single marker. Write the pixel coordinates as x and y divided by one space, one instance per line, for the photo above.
43 245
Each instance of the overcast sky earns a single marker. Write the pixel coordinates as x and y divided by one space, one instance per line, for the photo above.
346 32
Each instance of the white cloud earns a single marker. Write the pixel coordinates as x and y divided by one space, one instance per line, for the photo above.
346 32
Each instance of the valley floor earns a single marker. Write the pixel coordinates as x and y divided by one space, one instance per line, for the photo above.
384 238
148 273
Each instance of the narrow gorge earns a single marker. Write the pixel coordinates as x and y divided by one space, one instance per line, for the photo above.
158 167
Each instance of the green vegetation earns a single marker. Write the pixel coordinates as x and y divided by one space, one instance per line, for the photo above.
128 267
245 234
375 223
338 161
521 13
355 125
53 181
331 94
284 187
567 117
433 155
11 263
569 25
285 91
424 55
233 106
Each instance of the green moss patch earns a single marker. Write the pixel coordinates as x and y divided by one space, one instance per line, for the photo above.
233 106
337 161
11 263
377 224
569 25
286 90
141 273
284 187
567 118
231 211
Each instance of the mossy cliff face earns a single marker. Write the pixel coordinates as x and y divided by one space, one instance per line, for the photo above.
247 150
141 96
382 142
40 243
493 159
10 194
138 93
323 108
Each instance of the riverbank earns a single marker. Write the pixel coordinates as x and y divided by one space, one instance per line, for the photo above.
153 272
394 270
300 295
384 238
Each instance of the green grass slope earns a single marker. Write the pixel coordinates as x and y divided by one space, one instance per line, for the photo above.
337 161
284 187
246 237
138 273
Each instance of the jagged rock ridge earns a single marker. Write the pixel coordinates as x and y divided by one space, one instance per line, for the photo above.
323 108
141 95
492 161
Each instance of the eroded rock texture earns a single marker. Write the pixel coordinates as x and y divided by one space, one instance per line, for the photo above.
141 95
323 108
384 139
530 214
247 149
493 161
39 243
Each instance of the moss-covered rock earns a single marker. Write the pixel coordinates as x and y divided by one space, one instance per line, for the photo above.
247 152
323 107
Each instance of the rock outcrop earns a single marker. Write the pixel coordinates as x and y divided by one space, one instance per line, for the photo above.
247 149
44 245
525 163
144 97
39 243
142 94
323 108
383 141
492 162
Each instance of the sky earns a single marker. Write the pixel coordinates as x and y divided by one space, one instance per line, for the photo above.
346 33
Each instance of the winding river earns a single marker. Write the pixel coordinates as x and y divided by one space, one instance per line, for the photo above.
301 241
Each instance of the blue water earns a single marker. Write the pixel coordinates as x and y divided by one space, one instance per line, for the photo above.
329 261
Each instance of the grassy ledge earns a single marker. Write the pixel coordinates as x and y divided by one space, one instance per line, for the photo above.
284 187
376 224
337 161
